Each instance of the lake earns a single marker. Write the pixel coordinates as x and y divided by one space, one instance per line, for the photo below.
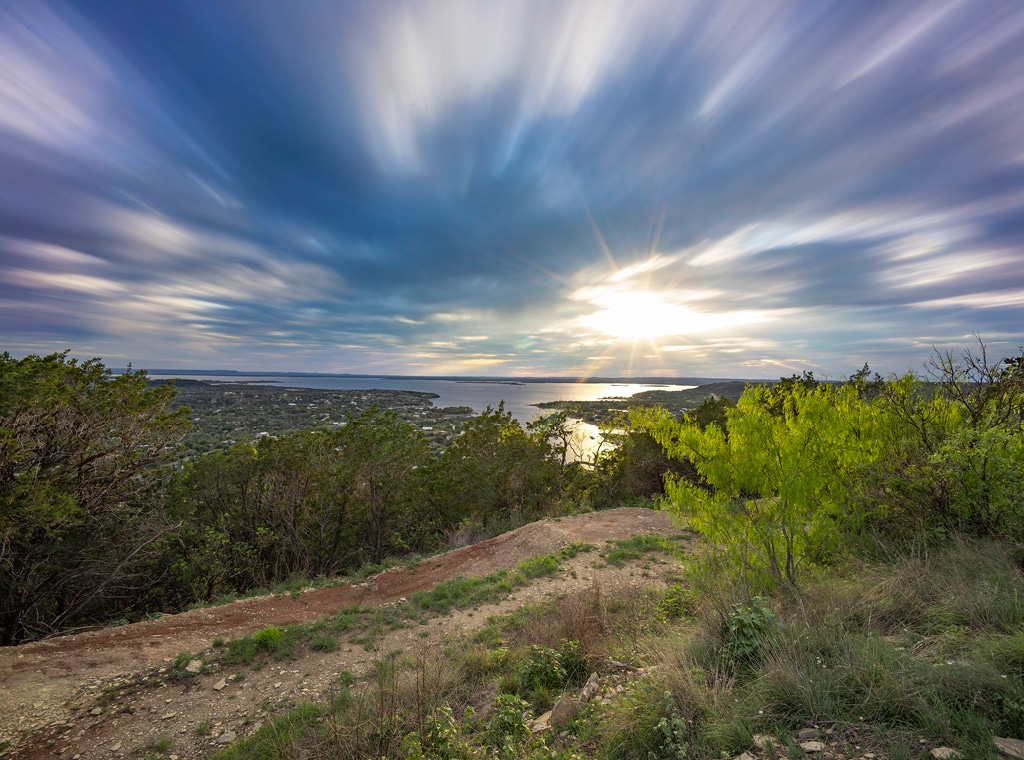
478 394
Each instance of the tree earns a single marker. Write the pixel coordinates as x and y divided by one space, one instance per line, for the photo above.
775 480
259 512
78 448
494 472
311 503
381 456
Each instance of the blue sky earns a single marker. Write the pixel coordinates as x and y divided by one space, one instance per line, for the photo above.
742 189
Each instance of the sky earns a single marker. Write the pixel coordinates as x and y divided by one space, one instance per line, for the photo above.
537 187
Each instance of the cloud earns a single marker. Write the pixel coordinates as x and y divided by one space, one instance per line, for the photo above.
646 186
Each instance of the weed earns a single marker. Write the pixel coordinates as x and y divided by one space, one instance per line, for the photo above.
621 551
748 631
324 643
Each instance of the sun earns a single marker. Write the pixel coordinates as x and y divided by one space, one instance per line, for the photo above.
646 315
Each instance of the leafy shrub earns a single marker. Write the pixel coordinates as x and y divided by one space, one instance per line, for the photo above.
507 722
675 602
269 638
748 631
441 738
542 669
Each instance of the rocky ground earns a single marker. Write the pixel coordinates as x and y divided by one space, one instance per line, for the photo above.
83 696
114 693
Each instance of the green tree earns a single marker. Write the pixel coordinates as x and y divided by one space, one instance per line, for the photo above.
774 482
311 503
258 513
381 459
78 449
494 472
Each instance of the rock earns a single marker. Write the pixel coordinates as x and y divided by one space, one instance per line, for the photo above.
590 688
96 711
746 756
812 746
944 753
194 666
807 734
168 715
762 740
1010 747
621 665
220 685
116 747
227 737
541 724
563 711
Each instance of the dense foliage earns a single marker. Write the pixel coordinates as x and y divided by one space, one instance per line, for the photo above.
101 518
802 469
78 448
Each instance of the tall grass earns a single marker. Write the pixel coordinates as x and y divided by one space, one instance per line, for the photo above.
894 657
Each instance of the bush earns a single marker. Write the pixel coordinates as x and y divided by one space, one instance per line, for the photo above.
748 632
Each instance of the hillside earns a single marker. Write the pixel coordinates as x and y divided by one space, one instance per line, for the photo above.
80 695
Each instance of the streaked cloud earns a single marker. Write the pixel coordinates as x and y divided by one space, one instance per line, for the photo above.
441 186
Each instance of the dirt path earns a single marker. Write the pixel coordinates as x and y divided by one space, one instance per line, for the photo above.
49 690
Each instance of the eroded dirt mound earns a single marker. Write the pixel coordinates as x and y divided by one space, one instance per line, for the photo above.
51 684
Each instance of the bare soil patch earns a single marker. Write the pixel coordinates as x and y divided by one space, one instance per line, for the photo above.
50 691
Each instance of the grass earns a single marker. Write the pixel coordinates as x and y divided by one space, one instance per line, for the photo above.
365 626
158 748
619 552
277 738
297 584
860 648
894 657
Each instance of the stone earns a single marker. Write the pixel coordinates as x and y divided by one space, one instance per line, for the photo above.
807 734
563 711
96 711
168 715
220 685
746 756
194 666
590 688
541 724
621 665
227 737
1013 748
762 740
812 746
944 753
116 747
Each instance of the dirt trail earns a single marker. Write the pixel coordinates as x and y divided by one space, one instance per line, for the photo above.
49 689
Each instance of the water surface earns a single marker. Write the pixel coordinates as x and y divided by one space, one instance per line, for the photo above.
478 394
